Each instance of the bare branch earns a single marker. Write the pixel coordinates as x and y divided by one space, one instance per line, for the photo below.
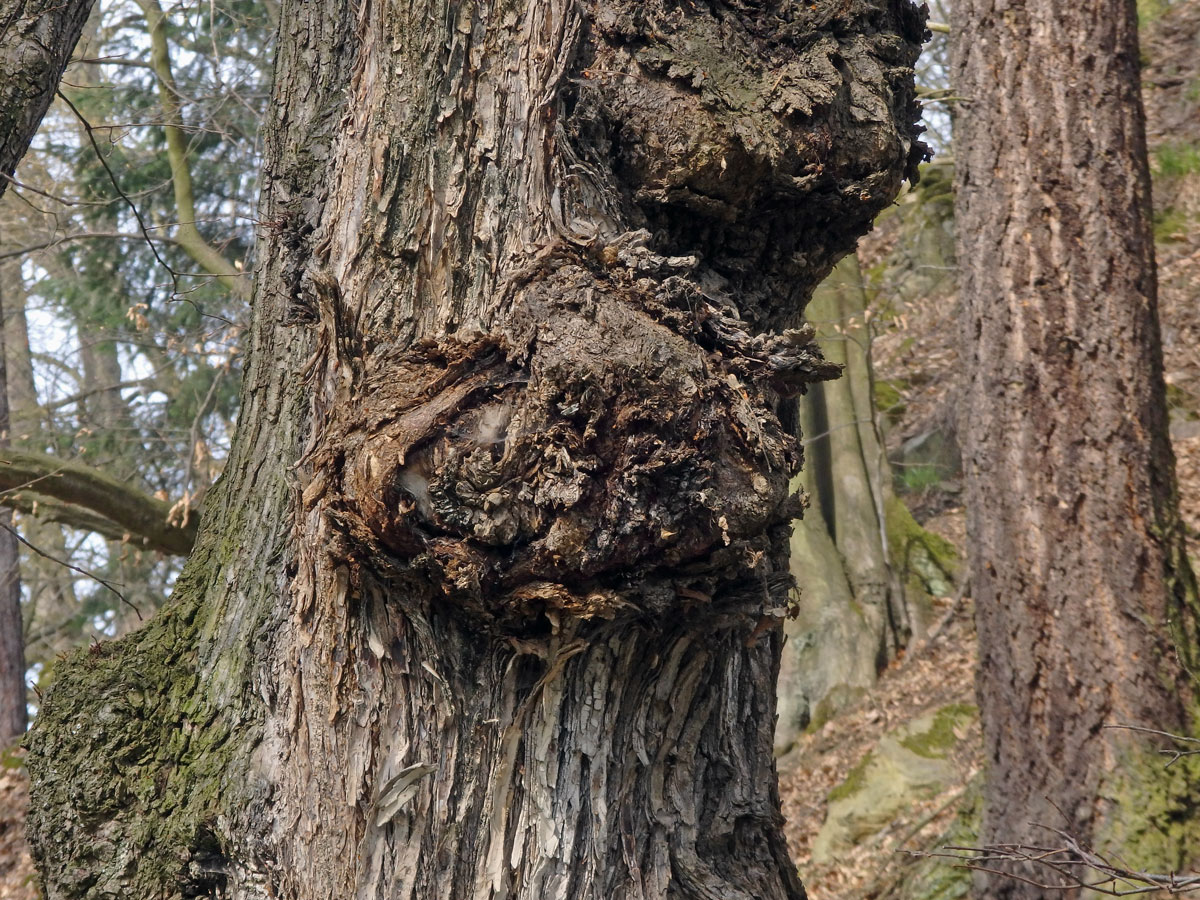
186 234
87 127
84 572
80 485
113 61
1175 755
45 508
80 236
91 392
1073 864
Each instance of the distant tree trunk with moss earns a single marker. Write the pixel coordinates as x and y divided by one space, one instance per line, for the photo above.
488 601
12 640
862 564
1086 606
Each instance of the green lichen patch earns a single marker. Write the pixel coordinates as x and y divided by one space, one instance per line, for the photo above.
1151 812
889 399
909 764
939 738
128 760
853 782
928 563
840 697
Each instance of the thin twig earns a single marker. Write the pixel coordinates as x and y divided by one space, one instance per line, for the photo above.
1175 755
86 574
87 127
70 238
176 293
1070 861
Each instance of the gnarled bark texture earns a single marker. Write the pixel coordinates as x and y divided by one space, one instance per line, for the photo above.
36 40
1085 602
488 601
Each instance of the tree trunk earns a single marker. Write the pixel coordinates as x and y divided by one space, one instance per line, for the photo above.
856 461
49 587
1086 606
12 634
36 40
487 603
852 614
863 566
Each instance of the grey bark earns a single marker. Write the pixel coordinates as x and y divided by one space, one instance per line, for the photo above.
24 412
36 40
487 603
1085 603
13 715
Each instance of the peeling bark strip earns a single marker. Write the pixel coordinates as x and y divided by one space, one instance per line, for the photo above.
486 604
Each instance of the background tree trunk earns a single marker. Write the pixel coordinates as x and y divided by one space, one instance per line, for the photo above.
12 634
36 40
851 614
860 560
1085 602
488 601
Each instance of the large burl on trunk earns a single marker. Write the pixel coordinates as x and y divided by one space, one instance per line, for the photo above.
487 602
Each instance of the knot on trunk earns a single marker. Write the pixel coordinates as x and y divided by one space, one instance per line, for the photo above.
612 449
762 137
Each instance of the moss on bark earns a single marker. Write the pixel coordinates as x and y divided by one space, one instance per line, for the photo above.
549 598
928 563
1150 812
132 749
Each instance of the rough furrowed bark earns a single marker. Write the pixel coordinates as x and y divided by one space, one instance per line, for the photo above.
1085 602
36 40
488 602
